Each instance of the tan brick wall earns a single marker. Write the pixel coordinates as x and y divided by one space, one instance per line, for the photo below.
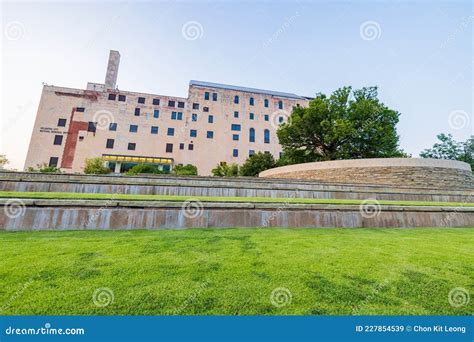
59 102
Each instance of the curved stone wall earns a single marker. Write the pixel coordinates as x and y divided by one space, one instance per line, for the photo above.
415 172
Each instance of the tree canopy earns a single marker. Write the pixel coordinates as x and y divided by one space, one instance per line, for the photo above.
257 163
349 124
448 148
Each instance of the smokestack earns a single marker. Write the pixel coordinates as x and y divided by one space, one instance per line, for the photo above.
112 70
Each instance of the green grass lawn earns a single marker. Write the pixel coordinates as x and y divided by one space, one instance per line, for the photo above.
234 271
117 197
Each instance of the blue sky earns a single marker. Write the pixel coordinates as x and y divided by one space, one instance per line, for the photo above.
419 54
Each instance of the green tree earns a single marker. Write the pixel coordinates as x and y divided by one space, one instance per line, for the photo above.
143 168
224 170
185 170
257 163
3 160
95 166
448 148
346 125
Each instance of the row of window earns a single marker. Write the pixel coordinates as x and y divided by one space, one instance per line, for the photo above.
58 139
141 100
168 148
236 100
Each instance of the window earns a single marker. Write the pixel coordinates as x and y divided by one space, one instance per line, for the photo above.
53 161
214 96
266 117
180 104
80 109
280 119
280 104
132 146
266 136
110 143
171 103
235 127
205 109
181 146
193 133
210 119
58 139
235 152
251 101
91 127
251 153
141 100
210 134
190 147
235 137
195 105
112 126
137 111
252 135
173 116
236 99
169 148
122 98
236 115
194 117
170 132
176 115
156 102
62 122
156 113
206 95
154 129
133 128
265 102
251 116
112 97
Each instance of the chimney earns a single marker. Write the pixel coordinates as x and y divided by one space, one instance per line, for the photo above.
112 70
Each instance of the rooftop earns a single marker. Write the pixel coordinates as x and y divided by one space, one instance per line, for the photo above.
245 89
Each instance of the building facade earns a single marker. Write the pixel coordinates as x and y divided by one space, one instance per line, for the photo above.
216 123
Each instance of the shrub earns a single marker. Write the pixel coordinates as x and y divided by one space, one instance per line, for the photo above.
224 170
95 166
143 168
44 168
185 170
257 163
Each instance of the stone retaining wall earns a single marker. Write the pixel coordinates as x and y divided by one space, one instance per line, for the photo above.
72 215
412 172
209 186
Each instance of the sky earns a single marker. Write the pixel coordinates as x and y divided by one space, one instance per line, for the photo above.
419 54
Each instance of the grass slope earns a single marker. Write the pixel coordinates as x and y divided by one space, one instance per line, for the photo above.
94 196
234 271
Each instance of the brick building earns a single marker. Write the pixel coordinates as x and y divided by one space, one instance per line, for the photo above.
215 123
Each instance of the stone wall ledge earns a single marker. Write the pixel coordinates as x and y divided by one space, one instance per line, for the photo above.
282 206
